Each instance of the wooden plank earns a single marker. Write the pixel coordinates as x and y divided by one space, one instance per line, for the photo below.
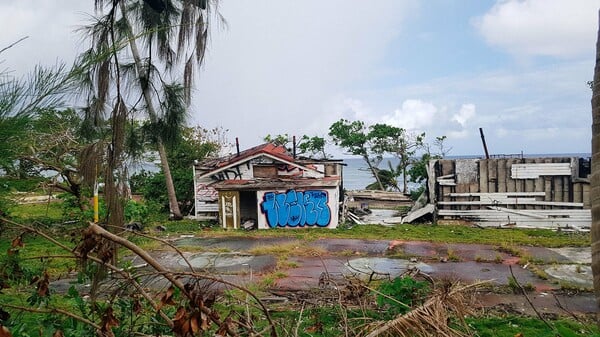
447 168
547 213
506 194
492 175
558 188
511 202
431 181
483 175
501 175
548 188
446 182
567 189
414 215
539 182
510 183
535 170
577 192
520 212
586 195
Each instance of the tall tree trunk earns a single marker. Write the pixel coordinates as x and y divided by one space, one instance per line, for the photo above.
374 171
175 213
595 180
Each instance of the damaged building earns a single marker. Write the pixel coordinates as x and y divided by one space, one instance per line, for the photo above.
267 187
523 192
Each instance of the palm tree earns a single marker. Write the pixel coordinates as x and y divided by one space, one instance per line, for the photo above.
595 179
147 31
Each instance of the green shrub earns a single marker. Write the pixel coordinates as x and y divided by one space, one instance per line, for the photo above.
401 294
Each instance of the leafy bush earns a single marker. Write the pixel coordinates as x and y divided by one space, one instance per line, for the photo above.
20 185
152 187
401 294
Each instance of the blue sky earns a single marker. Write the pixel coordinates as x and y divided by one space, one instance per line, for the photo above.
516 68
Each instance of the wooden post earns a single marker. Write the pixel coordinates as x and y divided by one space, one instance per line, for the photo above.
483 175
503 174
492 175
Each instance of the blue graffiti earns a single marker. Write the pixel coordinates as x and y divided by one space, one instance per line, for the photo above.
296 208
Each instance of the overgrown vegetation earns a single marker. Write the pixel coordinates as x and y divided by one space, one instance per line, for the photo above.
30 277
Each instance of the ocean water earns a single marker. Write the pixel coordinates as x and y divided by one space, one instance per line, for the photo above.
357 174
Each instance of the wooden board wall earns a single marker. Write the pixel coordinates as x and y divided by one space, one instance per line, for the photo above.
494 176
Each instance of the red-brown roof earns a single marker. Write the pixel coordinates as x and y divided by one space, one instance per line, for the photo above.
268 148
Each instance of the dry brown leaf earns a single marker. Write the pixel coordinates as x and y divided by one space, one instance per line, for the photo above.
181 324
42 285
109 320
137 306
4 331
167 297
520 334
204 319
17 242
58 333
194 324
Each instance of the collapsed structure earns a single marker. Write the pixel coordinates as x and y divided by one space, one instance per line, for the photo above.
524 192
267 187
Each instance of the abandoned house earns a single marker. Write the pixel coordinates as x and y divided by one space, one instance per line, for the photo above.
267 187
524 192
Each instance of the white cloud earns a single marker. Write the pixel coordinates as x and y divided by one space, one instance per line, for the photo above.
280 64
526 28
50 27
414 115
466 112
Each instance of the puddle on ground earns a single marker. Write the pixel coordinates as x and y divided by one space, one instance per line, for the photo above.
232 243
381 267
578 275
230 262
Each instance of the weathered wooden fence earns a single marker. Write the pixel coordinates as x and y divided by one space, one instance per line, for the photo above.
528 192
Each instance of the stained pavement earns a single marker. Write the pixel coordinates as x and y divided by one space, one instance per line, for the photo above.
561 277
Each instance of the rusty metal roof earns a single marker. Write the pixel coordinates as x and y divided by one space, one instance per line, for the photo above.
267 148
280 184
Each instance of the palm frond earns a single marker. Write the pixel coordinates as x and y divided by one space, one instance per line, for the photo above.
174 113
432 318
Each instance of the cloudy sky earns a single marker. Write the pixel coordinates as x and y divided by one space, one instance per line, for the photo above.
517 69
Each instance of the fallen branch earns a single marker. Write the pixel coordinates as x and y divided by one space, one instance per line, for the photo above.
432 317
531 303
53 311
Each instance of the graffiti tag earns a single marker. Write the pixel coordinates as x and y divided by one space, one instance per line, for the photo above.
296 208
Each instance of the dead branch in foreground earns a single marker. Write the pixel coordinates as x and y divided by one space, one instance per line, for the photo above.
432 317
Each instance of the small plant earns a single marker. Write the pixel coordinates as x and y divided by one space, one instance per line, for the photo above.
510 249
401 294
513 285
498 258
452 256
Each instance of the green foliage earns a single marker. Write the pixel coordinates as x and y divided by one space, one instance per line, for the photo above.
401 294
313 146
136 211
9 184
351 136
417 173
195 144
278 140
512 326
388 179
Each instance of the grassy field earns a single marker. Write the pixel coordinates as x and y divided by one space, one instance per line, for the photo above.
53 218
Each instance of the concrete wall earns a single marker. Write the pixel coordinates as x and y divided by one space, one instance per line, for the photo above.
316 207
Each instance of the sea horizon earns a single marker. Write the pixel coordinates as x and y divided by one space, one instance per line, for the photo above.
357 176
